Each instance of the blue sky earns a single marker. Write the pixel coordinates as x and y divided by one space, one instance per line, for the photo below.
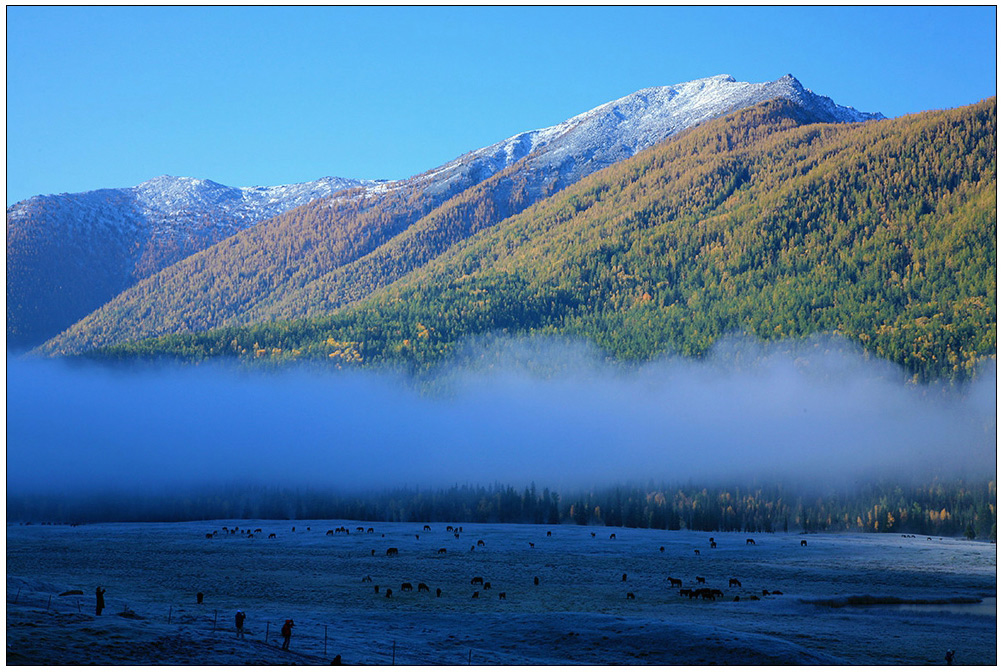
112 96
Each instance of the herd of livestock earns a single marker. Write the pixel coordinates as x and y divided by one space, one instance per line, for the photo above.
699 591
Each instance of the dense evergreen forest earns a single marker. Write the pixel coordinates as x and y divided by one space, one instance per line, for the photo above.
884 232
954 508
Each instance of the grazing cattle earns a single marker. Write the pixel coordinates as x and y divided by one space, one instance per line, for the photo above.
735 582
776 592
536 580
456 535
368 579
674 582
259 530
630 596
592 534
696 552
416 536
481 542
706 594
426 528
449 528
715 591
754 598
477 579
329 533
472 548
711 540
392 551
308 528
439 592
422 587
766 592
750 542
700 579
805 543
441 551
501 596
714 545
685 592
209 535
613 536
459 529
487 586
549 533
372 551
623 577
405 586
662 549
294 528
369 530
272 536
735 599
376 589
531 544
476 595
388 593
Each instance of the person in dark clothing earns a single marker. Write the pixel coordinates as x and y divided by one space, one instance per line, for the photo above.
99 593
239 622
287 632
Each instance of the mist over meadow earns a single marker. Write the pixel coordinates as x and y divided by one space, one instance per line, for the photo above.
507 411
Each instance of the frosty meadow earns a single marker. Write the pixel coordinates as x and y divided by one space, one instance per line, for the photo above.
498 594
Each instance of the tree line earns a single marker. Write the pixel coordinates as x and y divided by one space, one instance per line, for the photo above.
942 508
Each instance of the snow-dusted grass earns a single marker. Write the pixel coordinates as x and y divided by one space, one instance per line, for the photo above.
579 612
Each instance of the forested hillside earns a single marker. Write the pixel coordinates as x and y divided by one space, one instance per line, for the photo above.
884 232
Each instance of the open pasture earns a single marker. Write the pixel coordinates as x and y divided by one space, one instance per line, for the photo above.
557 595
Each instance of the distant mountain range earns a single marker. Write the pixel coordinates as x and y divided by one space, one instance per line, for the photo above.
761 222
177 255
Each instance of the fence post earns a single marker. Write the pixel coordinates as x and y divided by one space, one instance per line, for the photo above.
18 595
170 611
393 652
325 641
49 604
469 656
78 605
214 620
266 632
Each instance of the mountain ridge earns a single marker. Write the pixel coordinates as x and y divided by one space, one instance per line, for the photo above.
266 268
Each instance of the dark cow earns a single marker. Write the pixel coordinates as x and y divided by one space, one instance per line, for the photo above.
531 544
449 528
805 543
259 530
487 586
735 582
501 596
376 589
477 579
405 586
549 533
439 592
754 598
426 528
776 592
272 536
714 545
711 540
481 542
367 579
416 536
392 551
630 596
369 530
422 587
696 552
441 551
476 595
700 579
766 592
662 549
685 592
209 535
623 577
536 580
674 582
592 534
750 542
613 536
329 533
359 529
388 593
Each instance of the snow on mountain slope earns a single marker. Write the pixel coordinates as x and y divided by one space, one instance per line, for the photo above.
67 254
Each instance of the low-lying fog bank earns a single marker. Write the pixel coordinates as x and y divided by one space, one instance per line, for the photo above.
814 414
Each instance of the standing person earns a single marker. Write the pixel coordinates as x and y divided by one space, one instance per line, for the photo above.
287 632
99 593
239 621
